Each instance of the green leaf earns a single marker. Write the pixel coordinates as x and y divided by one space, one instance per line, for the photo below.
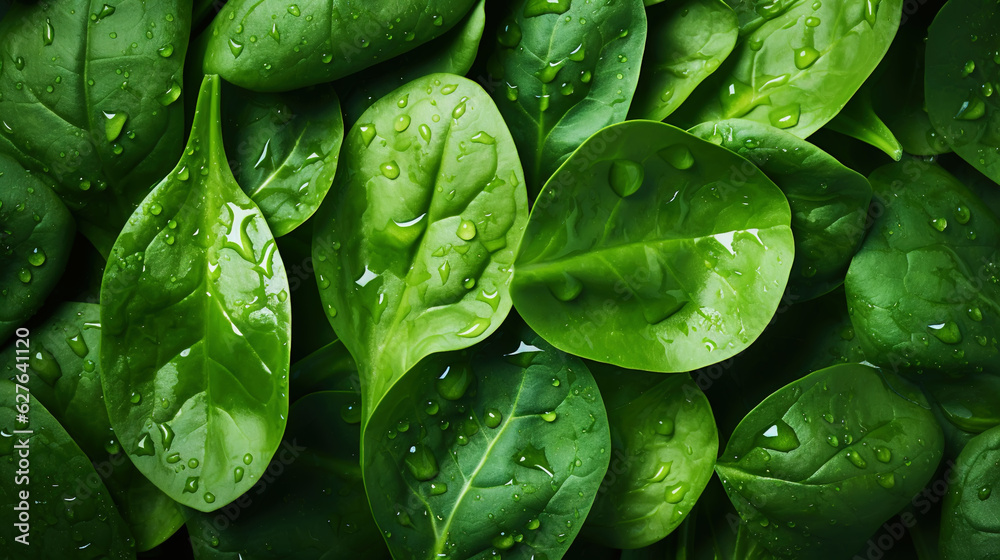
858 120
686 42
36 236
970 527
452 53
66 378
796 64
565 70
59 492
498 450
311 502
829 201
653 249
97 101
195 338
281 46
413 247
663 448
840 439
924 290
331 368
284 149
961 73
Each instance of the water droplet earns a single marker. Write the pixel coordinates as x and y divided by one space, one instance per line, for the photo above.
467 230
939 224
367 133
476 328
548 416
883 454
78 345
532 457
493 418
509 35
886 480
166 51
678 156
662 472
191 485
238 474
144 447
805 57
437 488
535 8
963 214
947 332
390 170
779 437
44 364
421 462
114 125
984 493
855 458
625 177
37 258
454 382
402 123
785 117
675 494
247 459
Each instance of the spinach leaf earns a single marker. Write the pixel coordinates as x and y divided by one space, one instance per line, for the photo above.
195 337
842 442
829 202
962 46
663 448
858 120
653 249
310 329
324 370
796 64
497 450
413 248
686 42
964 407
95 88
68 512
566 69
310 501
283 150
276 46
452 53
898 87
66 378
970 527
36 236
924 291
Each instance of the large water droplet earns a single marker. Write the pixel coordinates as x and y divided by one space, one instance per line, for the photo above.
532 457
779 437
421 462
625 177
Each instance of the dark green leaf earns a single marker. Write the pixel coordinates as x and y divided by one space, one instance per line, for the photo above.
97 90
283 149
278 46
962 49
970 527
839 440
36 236
924 291
686 42
566 70
61 495
663 449
829 202
498 450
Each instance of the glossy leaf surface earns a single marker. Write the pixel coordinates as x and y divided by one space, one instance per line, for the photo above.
97 90
66 378
653 249
195 337
686 42
36 236
829 201
796 64
277 46
64 493
924 290
663 448
834 439
565 70
496 450
413 248
962 46
283 150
